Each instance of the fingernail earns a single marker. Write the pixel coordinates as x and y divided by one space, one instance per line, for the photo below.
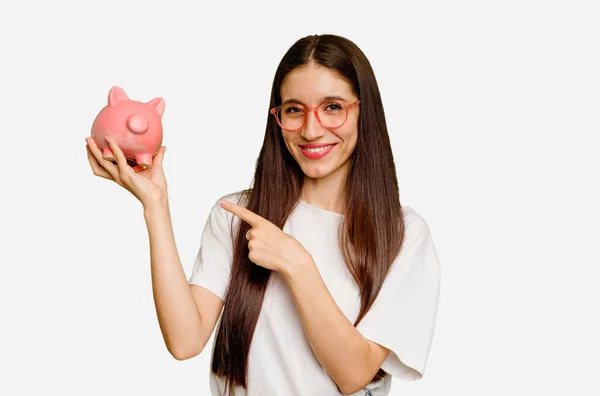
222 203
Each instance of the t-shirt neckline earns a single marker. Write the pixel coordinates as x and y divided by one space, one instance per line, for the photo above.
306 204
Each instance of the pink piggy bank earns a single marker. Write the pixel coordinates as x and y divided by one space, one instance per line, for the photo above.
135 127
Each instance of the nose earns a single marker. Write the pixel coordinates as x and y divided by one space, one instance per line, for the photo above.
312 129
137 124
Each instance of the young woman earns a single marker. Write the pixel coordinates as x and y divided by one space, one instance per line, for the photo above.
326 283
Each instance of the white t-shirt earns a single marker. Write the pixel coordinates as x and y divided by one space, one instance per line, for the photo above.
281 361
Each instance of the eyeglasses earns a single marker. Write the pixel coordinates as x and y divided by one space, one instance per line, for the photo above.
330 114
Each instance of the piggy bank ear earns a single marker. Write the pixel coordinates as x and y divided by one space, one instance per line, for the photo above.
115 95
158 104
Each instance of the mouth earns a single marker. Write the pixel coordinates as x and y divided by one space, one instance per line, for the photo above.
316 151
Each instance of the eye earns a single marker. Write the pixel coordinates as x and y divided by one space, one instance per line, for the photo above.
292 109
333 106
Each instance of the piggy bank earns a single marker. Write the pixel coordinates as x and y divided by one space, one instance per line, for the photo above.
135 127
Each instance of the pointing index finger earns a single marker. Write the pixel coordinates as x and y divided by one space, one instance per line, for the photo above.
242 212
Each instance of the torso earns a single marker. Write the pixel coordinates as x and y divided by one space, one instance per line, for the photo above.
281 361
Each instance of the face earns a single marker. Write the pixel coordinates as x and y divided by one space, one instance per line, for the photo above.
308 86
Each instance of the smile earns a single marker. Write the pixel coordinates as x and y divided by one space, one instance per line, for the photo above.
317 153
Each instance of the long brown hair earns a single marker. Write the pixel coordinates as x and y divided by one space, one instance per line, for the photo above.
373 228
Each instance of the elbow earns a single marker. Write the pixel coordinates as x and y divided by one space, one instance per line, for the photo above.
184 349
181 356
354 383
351 387
350 390
184 353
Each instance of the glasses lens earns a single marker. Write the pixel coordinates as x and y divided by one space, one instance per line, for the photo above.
291 116
332 114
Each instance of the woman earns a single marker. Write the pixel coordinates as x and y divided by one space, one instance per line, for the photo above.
327 284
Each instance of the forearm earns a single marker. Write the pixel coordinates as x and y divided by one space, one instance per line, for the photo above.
178 316
337 344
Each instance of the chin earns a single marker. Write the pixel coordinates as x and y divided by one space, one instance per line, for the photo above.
317 171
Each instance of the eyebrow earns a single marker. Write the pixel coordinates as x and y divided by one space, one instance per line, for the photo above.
333 97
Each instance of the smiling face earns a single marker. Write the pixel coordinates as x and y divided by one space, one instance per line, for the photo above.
309 86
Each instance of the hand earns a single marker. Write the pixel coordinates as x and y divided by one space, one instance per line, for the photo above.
269 246
147 185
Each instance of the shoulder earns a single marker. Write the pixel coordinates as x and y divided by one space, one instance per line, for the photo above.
414 223
418 241
237 197
223 217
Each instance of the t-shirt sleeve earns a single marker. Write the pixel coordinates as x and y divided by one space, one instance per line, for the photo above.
212 265
403 316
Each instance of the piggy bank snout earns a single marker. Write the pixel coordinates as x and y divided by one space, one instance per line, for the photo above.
137 124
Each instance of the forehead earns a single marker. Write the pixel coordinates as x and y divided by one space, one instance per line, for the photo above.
312 82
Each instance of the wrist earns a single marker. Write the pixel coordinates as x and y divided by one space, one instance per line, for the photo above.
158 205
292 271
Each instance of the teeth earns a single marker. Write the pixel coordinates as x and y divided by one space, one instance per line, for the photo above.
318 150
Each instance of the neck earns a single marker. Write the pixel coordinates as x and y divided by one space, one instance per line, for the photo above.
326 192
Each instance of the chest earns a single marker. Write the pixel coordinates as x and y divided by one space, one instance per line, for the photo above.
322 243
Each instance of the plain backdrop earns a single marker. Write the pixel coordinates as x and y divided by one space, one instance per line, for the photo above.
493 113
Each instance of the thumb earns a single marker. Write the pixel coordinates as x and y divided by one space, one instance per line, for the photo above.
161 155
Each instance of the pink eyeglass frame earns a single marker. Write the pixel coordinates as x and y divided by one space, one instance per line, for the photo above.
314 109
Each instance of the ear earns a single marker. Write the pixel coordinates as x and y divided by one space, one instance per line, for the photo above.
115 95
158 104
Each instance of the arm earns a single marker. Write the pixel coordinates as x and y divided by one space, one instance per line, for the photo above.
187 314
403 318
351 360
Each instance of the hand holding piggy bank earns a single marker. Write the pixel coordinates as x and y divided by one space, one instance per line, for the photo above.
135 127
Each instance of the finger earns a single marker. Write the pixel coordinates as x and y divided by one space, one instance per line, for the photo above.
124 168
256 244
107 165
243 213
104 166
160 156
96 167
253 256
